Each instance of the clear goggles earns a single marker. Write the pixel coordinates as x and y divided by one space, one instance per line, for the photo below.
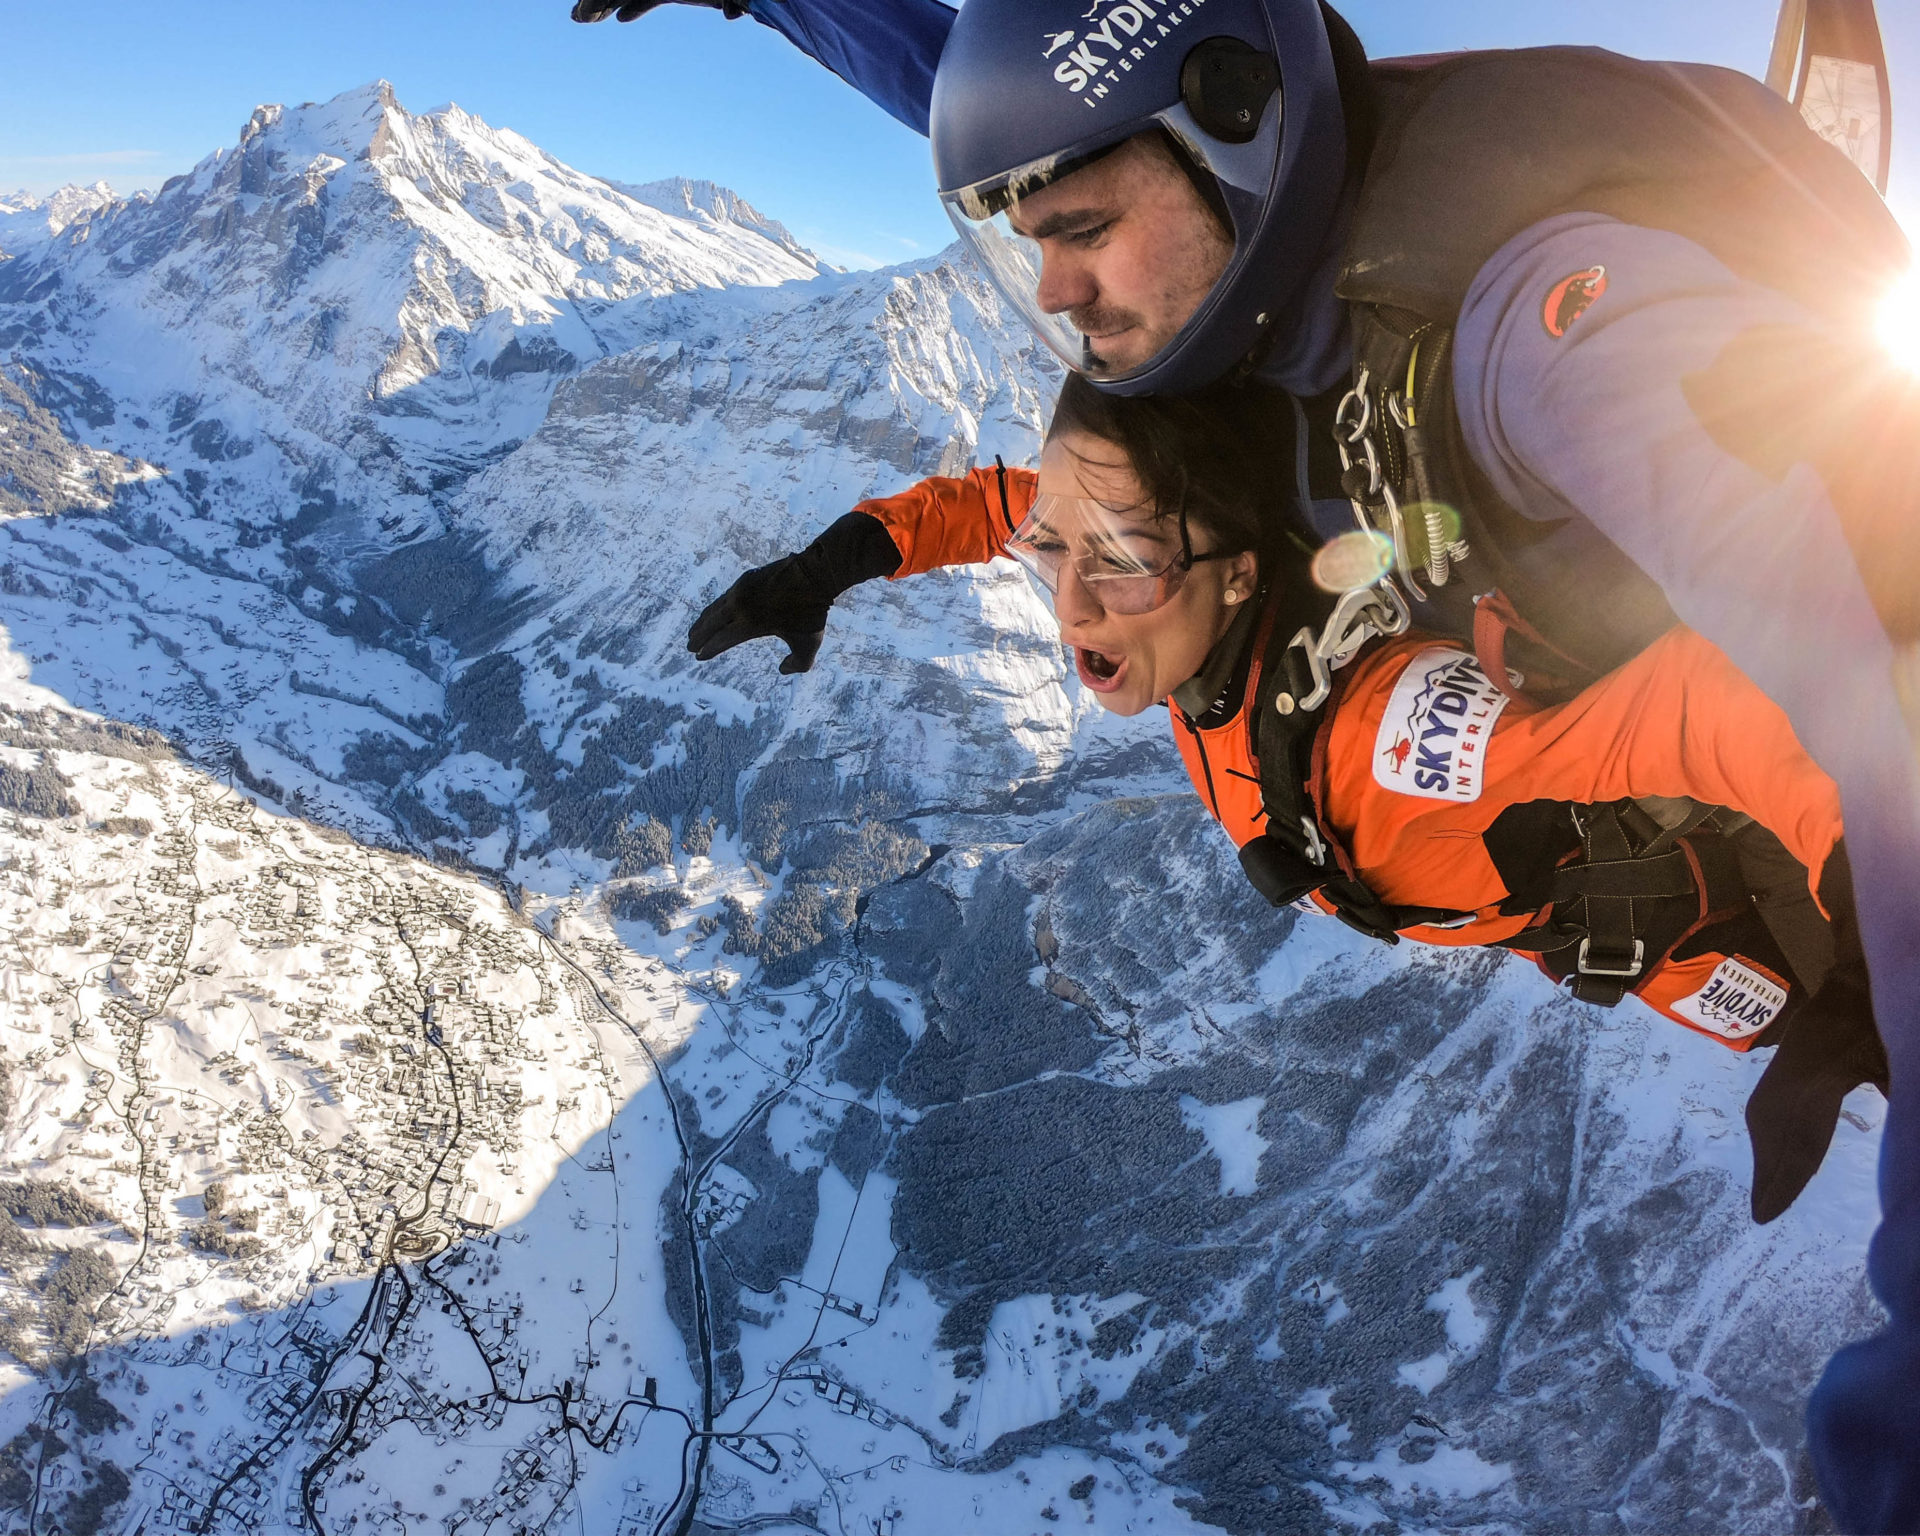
1128 560
998 219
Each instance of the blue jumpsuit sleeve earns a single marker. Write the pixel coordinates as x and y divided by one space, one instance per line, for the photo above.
887 50
1597 423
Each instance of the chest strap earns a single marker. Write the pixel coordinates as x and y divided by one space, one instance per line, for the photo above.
1289 692
1613 906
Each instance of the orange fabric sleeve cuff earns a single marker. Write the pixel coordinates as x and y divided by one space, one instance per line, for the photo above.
944 521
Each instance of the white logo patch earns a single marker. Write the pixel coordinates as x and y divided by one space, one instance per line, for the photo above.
1119 34
1736 1002
1433 738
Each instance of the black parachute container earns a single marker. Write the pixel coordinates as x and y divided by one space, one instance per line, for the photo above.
1828 59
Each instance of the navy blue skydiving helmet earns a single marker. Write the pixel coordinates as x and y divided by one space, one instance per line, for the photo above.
1028 91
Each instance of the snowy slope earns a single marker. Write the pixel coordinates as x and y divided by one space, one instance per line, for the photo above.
659 475
468 1067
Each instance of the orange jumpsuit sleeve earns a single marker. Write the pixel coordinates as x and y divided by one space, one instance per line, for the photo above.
1678 720
944 521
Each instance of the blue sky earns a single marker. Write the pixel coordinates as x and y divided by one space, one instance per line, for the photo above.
135 92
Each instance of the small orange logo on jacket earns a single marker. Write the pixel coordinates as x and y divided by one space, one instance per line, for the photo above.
1571 298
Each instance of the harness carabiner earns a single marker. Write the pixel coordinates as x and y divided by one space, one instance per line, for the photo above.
1364 480
1371 490
1359 616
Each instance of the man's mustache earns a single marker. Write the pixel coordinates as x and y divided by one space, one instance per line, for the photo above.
1101 320
1096 319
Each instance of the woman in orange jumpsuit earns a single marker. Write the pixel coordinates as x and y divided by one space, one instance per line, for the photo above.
1657 831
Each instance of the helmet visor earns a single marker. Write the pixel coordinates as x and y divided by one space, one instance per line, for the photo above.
1092 308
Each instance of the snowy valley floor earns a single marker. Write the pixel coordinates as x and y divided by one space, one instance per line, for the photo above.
361 1206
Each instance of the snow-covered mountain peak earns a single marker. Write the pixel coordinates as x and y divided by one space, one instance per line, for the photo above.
470 185
711 204
349 269
348 122
26 220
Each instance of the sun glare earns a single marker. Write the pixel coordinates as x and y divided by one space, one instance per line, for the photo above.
1900 321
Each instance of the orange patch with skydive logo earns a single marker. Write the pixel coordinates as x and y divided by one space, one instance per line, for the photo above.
1571 298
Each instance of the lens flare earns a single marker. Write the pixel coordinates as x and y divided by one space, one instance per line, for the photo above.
1900 322
1352 560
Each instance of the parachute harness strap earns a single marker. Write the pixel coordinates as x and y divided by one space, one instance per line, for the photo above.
1378 473
1443 551
1606 928
1290 689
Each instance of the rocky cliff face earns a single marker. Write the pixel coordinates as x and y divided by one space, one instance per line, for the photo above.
702 1099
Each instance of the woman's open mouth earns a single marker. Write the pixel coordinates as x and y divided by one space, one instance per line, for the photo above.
1099 670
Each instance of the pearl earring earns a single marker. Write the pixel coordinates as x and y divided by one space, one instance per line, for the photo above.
1232 596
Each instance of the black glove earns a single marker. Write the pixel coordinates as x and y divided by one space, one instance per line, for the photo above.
789 599
633 10
1831 1048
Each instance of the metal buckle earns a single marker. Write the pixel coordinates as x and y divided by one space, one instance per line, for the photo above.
1639 961
1316 844
1358 617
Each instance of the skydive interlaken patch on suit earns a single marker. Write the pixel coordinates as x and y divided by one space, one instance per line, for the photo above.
1433 739
1736 1002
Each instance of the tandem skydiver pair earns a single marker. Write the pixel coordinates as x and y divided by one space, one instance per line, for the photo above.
1658 832
1588 333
